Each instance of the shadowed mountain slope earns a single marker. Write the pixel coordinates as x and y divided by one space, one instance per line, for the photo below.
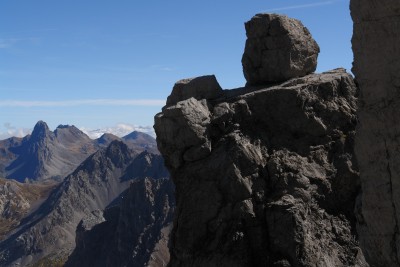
133 232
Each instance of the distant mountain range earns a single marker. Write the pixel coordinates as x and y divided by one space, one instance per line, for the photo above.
65 197
46 155
47 234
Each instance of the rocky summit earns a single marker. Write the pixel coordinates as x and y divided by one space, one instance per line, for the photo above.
265 175
278 48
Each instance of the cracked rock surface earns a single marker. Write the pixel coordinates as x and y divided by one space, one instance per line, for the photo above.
265 176
376 66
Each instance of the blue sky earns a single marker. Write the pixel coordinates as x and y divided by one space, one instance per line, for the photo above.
108 64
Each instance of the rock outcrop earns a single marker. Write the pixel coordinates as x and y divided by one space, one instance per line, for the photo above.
376 66
278 48
204 87
17 200
133 232
265 176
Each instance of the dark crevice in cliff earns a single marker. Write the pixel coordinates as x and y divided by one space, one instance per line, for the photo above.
396 232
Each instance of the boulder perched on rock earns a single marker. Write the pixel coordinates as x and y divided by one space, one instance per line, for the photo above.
278 48
266 176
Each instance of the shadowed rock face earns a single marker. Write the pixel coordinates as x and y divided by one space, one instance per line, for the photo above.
133 232
376 66
278 48
265 177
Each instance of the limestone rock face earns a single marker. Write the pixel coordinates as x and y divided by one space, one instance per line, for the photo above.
376 39
266 176
278 48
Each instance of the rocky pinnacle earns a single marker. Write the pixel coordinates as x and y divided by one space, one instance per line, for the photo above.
266 175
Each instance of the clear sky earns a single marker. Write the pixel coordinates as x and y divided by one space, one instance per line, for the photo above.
110 64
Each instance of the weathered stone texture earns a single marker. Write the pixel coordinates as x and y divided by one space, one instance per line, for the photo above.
376 66
265 177
199 88
278 48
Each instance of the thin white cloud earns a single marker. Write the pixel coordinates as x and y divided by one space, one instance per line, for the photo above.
9 42
324 3
30 31
6 43
83 102
11 130
167 69
119 130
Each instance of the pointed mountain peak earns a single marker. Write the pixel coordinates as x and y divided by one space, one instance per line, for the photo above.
106 139
118 152
41 125
132 135
40 130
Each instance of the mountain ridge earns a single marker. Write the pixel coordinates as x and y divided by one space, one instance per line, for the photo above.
44 154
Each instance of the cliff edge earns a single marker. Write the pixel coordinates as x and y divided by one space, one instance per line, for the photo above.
265 175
